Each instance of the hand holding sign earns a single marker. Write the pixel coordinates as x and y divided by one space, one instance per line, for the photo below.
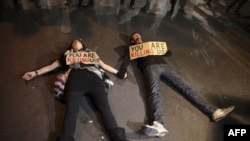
146 49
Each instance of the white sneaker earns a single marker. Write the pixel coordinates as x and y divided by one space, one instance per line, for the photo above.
222 113
155 130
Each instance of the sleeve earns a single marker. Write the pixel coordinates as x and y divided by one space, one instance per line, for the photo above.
168 53
125 63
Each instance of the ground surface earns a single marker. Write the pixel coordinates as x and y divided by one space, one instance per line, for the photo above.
213 57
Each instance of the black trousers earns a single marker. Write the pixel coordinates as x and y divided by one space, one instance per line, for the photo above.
84 83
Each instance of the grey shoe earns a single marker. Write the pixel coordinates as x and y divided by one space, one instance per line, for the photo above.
155 130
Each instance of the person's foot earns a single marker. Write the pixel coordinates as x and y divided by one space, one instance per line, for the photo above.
155 130
67 2
222 113
65 138
88 4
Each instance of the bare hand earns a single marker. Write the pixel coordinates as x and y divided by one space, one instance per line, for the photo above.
29 75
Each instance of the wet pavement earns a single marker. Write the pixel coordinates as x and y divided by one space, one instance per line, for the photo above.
209 49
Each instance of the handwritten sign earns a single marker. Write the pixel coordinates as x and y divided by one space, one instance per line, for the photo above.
83 57
146 49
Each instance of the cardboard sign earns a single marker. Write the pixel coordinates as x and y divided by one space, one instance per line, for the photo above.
146 49
83 57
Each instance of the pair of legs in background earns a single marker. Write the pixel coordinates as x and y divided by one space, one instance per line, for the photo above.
81 3
236 5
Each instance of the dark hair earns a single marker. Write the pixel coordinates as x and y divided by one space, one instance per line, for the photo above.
83 45
131 39
80 40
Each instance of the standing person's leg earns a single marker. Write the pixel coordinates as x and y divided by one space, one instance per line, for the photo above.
17 4
132 4
86 3
208 2
174 79
238 7
231 5
37 3
73 100
173 3
121 2
67 2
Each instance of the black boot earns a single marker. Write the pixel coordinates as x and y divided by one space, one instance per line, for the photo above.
36 3
117 134
132 4
18 4
65 138
84 4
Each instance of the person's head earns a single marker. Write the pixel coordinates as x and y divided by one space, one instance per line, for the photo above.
77 45
135 38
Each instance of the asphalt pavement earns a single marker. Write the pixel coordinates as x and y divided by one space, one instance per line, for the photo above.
209 49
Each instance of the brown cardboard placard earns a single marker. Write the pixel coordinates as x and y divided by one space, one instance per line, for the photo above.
147 48
83 57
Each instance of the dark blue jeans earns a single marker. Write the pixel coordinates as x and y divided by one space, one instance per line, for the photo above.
153 75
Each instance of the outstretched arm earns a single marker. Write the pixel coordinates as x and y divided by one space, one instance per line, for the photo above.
31 74
109 68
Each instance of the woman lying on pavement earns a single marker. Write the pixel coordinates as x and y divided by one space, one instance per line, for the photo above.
85 78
